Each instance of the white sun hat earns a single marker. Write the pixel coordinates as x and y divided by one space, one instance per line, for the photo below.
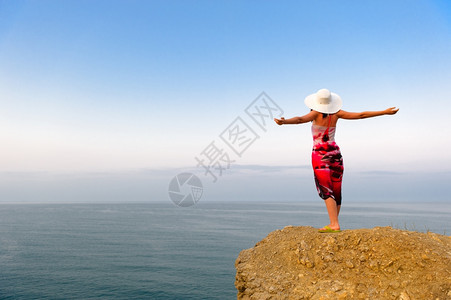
324 101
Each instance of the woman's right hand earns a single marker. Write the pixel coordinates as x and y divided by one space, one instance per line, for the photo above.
391 111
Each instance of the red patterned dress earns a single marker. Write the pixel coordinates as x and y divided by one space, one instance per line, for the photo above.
327 162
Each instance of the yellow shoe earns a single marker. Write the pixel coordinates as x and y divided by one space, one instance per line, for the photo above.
327 229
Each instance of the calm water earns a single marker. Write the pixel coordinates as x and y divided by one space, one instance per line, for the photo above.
158 250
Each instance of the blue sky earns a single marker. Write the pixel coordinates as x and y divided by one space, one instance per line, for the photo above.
142 87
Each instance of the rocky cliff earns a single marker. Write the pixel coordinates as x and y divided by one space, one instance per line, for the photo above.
379 263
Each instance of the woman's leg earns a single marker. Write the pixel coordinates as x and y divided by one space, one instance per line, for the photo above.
333 210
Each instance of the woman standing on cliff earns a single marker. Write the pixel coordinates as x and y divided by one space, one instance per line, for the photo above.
327 162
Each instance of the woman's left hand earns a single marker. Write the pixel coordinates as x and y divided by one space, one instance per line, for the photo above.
280 121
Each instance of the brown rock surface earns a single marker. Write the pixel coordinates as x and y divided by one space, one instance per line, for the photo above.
379 263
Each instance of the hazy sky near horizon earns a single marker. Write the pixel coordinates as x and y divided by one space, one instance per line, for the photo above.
120 86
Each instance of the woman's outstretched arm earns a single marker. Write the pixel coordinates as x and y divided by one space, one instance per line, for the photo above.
297 120
366 114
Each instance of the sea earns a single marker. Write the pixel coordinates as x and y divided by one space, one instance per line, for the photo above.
158 250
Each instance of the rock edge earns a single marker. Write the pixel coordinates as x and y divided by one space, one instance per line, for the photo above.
378 263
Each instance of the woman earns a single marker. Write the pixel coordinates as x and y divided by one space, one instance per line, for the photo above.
327 162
